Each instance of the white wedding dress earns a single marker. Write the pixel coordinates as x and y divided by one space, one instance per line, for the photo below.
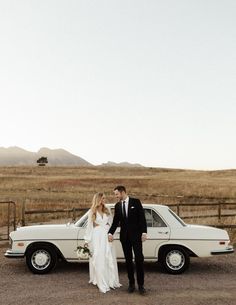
103 270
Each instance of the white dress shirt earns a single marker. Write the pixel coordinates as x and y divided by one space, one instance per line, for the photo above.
126 205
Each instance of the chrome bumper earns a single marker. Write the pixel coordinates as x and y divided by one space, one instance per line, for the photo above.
226 251
10 254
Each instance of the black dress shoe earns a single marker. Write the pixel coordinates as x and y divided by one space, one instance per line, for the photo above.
141 290
131 288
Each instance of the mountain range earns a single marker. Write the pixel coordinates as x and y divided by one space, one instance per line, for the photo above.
16 156
122 164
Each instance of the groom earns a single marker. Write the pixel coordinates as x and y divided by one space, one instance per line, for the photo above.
129 214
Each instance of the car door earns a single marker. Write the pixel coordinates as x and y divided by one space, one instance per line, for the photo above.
82 228
157 232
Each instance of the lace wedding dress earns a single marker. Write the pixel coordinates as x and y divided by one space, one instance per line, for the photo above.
103 270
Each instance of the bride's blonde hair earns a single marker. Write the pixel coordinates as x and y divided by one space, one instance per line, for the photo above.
96 203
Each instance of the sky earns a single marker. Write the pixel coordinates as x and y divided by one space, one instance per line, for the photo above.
150 82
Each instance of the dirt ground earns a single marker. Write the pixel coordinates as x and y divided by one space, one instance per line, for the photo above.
208 281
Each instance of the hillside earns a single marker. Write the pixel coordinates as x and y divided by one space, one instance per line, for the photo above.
16 156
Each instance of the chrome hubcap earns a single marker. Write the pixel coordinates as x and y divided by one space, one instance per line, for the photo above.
40 259
175 260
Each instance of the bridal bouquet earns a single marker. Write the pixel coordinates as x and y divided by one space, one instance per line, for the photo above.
83 252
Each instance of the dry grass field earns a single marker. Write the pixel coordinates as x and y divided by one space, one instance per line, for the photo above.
66 187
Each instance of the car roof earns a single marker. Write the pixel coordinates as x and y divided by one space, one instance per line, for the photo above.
145 205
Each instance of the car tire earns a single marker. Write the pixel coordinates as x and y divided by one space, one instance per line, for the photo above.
175 260
41 259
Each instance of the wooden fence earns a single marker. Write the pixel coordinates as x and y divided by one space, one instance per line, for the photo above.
219 207
71 212
222 210
10 218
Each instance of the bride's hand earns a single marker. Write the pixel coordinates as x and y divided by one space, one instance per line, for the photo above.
110 238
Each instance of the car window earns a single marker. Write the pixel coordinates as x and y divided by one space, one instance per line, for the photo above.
157 220
148 216
84 222
177 218
153 219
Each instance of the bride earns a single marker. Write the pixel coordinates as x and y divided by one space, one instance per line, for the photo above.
103 270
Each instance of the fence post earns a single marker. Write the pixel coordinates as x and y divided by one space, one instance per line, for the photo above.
178 209
23 214
14 206
219 211
74 216
8 218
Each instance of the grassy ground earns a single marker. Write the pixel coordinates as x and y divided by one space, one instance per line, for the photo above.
66 187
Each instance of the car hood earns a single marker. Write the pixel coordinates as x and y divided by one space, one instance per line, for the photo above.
200 232
43 227
61 231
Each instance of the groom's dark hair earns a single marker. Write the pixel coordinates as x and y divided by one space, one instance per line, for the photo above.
120 188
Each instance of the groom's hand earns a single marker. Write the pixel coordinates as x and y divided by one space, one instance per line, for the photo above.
144 237
110 237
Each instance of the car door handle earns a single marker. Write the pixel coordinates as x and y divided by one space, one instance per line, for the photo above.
163 232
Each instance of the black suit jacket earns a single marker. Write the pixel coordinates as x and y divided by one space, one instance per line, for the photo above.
134 225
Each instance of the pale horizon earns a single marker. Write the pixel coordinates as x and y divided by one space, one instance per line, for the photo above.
148 82
110 160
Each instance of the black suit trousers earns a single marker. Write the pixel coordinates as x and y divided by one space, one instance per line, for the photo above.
137 247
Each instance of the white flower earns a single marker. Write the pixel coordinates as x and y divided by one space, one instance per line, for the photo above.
83 252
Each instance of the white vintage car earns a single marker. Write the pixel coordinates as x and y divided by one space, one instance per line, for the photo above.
170 241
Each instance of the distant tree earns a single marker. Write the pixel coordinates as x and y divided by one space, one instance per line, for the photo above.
42 161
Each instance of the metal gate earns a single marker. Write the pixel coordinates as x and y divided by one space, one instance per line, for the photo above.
11 218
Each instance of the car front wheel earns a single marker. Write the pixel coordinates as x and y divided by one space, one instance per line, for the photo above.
175 260
41 259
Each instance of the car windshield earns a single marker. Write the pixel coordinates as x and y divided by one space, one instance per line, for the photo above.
177 218
82 221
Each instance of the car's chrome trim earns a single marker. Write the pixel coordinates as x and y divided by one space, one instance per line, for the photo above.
119 259
225 251
79 239
202 239
10 254
45 239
